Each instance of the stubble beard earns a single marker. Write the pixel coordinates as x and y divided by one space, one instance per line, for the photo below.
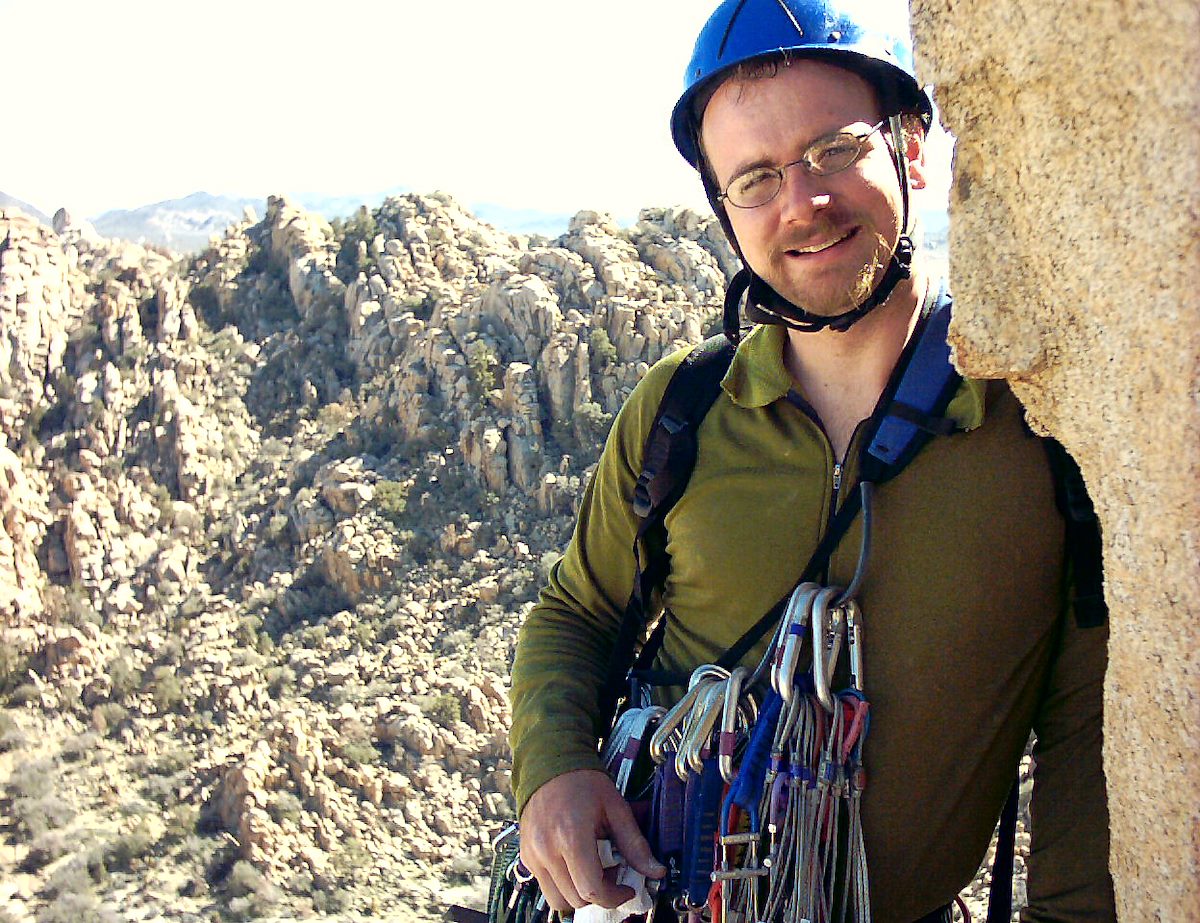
834 297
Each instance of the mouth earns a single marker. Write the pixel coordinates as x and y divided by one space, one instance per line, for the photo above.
821 246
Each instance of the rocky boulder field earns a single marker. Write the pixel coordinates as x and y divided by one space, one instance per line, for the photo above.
270 518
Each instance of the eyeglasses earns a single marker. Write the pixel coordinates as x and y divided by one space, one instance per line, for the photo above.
829 154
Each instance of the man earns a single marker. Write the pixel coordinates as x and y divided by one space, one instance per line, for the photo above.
807 127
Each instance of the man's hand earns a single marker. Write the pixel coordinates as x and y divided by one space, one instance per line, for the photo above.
559 829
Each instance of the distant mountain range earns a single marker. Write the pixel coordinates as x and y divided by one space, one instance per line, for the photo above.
7 201
186 224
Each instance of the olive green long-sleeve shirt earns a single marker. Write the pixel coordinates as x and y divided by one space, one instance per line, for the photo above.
967 644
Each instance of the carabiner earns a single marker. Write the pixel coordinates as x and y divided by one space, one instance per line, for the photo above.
796 618
729 721
679 712
854 643
827 629
699 731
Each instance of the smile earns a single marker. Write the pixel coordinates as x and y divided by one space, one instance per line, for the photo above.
821 247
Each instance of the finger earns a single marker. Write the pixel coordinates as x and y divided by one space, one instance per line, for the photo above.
565 884
630 843
553 896
547 879
583 861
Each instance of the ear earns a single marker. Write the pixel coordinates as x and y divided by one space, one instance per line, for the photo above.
915 154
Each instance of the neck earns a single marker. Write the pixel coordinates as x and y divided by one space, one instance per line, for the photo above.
843 374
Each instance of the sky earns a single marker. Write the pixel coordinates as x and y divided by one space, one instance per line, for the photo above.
548 105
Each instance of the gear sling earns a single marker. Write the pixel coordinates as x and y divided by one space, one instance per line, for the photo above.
910 412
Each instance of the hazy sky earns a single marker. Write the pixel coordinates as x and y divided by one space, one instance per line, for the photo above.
553 105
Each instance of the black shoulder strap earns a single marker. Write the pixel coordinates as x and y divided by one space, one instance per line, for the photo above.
668 457
1085 549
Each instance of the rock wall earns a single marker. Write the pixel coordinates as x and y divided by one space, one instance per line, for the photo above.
1073 251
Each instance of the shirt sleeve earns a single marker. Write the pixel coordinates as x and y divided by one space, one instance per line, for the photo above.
564 646
1068 863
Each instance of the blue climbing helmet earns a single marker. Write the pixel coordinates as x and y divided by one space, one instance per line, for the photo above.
848 33
844 32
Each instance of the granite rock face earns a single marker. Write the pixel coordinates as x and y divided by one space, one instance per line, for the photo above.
1074 247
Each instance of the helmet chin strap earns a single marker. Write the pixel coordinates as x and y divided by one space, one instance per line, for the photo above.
764 305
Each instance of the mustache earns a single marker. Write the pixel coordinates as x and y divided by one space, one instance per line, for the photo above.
820 233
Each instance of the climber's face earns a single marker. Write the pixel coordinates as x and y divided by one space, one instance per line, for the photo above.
822 241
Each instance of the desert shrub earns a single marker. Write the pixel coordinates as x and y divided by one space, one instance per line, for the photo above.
73 906
482 363
25 694
358 750
124 678
181 822
39 815
166 690
314 636
7 724
35 805
171 760
354 235
122 854
70 605
246 633
592 422
278 532
79 746
171 651
391 500
110 715
251 893
285 806
45 848
279 679
444 709
352 857
335 901
364 632
14 667
603 353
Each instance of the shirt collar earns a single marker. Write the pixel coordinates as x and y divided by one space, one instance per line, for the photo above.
757 377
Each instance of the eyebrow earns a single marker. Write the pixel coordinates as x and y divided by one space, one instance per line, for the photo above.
755 164
763 161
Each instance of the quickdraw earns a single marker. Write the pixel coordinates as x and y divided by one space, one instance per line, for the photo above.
788 777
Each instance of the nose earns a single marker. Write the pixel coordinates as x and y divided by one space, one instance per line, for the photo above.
802 194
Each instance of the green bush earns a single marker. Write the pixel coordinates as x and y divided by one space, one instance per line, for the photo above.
445 710
123 677
279 679
123 853
391 499
14 667
166 691
603 353
110 715
482 363
76 748
25 694
285 806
